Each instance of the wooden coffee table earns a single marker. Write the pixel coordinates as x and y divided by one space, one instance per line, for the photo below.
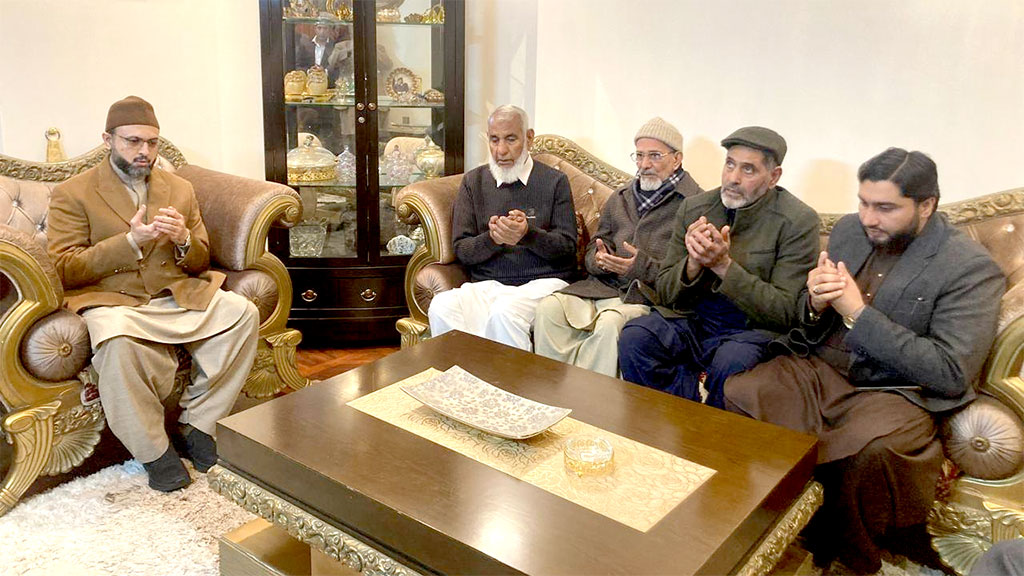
384 500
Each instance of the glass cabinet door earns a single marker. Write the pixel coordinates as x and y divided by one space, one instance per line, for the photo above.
360 98
410 99
319 95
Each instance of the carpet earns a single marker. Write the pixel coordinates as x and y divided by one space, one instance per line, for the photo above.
112 523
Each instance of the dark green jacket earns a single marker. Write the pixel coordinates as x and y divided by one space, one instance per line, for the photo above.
774 244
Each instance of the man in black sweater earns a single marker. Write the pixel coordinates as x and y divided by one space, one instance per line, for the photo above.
514 229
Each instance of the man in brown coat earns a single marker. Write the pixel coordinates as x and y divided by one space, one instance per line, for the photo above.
133 255
580 324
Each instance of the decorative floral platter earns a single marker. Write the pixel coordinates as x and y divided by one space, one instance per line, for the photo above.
465 398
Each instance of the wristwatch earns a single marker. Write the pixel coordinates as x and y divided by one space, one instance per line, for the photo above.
850 319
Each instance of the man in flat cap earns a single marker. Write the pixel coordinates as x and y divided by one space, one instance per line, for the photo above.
580 324
895 323
133 256
514 229
735 265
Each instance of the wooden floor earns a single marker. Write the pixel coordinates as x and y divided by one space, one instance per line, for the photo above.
322 364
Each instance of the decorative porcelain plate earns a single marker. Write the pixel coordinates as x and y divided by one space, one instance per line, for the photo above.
465 398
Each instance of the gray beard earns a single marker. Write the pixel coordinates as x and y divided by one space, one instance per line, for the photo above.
650 183
511 174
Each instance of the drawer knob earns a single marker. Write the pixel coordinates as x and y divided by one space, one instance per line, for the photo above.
309 295
368 295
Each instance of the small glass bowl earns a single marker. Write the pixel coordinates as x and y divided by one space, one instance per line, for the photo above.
587 455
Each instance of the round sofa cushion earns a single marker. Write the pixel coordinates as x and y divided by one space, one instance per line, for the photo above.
256 285
56 347
436 278
986 440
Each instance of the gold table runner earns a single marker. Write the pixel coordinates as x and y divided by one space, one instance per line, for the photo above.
644 486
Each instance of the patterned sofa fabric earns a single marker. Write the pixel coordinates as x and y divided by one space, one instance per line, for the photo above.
984 442
46 403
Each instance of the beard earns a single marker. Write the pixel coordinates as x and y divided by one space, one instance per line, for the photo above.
130 168
513 172
734 200
894 241
649 181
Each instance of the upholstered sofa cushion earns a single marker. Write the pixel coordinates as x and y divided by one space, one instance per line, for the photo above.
255 285
986 440
57 347
435 278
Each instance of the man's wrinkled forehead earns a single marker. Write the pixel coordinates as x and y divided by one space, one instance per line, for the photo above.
505 125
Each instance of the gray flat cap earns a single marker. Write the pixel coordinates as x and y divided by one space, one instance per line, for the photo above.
760 138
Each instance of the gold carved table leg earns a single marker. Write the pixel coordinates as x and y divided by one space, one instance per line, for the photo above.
31 432
304 526
770 550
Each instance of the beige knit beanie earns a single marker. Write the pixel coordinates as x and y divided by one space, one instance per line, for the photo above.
129 112
661 130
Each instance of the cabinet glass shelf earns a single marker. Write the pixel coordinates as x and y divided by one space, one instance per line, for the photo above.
349 22
348 103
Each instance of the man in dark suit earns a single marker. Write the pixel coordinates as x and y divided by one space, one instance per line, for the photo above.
326 50
896 321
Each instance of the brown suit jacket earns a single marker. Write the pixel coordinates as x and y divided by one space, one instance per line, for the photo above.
86 237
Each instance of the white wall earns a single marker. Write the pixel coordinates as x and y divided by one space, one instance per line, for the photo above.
62 63
841 80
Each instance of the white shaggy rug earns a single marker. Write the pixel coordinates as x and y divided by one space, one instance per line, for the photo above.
113 523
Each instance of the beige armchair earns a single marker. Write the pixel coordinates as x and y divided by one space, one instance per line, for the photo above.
983 497
48 408
433 268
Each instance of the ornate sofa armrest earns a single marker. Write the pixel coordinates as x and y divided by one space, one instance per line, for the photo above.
238 213
24 262
430 202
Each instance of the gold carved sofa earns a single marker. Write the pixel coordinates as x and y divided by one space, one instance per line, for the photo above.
48 407
982 499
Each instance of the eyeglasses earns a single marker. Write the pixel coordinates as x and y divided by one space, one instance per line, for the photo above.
135 143
652 156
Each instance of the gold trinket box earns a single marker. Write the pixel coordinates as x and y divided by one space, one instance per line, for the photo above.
310 163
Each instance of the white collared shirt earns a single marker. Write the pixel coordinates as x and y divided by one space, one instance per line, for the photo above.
319 46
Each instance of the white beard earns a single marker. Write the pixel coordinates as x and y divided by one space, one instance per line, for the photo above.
733 203
510 174
650 183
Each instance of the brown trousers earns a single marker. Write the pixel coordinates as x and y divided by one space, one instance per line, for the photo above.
879 457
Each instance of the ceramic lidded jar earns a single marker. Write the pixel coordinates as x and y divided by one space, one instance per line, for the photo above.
316 81
294 83
430 158
310 163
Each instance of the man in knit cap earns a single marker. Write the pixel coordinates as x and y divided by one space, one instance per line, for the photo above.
735 266
133 256
514 229
580 324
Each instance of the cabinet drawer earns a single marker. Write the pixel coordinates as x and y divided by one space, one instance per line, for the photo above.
310 291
